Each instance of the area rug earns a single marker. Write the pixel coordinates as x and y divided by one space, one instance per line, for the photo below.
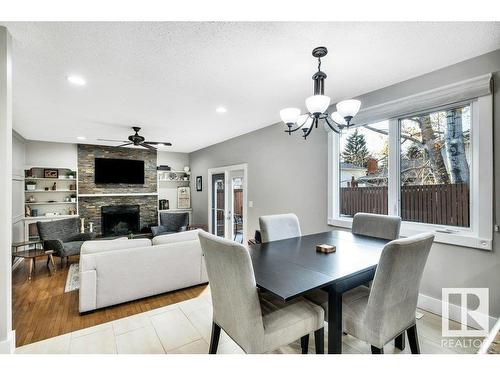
73 278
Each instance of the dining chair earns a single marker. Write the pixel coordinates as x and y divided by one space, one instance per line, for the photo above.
385 311
279 227
256 324
378 226
375 225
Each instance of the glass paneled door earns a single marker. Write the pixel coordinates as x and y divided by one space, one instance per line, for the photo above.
228 206
218 205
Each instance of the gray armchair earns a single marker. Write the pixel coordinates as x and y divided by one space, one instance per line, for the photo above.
171 222
63 236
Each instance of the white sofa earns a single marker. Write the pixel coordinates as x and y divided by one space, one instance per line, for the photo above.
116 271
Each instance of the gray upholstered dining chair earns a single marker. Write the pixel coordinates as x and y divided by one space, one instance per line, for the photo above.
279 227
374 225
256 324
379 226
385 311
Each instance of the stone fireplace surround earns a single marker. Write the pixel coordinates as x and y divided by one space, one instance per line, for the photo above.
92 197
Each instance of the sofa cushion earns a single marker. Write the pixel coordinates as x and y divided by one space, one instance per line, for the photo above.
98 246
176 237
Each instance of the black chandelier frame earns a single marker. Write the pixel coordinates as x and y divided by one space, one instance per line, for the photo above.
319 89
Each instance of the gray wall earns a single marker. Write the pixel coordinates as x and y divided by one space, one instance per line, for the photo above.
287 174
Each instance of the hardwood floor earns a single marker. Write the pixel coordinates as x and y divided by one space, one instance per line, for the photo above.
41 309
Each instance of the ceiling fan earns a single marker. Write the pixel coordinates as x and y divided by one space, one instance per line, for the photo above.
138 140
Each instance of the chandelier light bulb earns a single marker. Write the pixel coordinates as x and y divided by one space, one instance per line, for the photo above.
290 115
317 104
338 118
348 108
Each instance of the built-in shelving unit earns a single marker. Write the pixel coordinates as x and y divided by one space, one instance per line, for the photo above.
50 197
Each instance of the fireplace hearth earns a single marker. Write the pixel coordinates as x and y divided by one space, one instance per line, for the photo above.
120 220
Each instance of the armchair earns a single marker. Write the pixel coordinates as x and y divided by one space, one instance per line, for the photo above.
171 222
63 236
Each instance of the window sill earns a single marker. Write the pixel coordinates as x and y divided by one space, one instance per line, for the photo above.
462 238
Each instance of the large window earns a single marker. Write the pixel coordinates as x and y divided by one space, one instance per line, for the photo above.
433 168
364 153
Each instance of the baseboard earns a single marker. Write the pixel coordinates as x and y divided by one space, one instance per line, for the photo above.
435 305
9 345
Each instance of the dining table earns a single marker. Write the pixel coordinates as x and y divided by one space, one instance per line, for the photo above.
291 268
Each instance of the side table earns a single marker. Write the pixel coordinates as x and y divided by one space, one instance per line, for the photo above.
33 254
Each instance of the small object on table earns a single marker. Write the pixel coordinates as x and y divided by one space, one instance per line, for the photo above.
91 226
82 225
54 187
324 248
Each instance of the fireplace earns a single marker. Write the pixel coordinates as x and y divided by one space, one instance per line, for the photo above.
120 220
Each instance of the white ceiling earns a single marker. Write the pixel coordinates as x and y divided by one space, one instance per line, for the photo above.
169 77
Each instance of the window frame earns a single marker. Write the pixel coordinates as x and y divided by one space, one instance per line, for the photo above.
480 233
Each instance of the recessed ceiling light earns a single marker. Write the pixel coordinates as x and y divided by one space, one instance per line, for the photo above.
221 110
76 80
80 138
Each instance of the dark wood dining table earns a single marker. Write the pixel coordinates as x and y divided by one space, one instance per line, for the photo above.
291 268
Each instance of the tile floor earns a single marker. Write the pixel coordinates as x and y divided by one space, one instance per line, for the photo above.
184 328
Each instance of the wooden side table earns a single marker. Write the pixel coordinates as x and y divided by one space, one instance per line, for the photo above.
33 254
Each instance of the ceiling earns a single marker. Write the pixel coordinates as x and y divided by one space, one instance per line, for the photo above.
170 77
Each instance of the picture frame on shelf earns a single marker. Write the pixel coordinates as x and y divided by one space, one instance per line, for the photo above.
199 183
51 173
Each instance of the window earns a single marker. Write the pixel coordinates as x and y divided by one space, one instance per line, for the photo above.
364 153
433 167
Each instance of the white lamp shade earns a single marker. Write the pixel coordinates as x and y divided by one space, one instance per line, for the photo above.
317 103
306 120
289 115
338 118
348 108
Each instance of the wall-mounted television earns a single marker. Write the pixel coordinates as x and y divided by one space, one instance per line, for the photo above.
118 171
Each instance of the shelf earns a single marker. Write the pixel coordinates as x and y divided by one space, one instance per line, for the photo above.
176 210
50 191
40 203
44 217
159 171
48 179
115 195
173 180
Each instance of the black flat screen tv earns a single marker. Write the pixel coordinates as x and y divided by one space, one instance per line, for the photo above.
119 171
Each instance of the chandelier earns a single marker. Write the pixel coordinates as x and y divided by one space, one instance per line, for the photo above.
317 106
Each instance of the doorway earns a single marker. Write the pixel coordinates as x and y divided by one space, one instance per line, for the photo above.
227 200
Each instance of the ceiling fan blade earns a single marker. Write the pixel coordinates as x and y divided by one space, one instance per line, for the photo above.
147 146
159 143
126 144
111 140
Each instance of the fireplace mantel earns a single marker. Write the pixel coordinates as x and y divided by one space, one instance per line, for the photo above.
117 194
